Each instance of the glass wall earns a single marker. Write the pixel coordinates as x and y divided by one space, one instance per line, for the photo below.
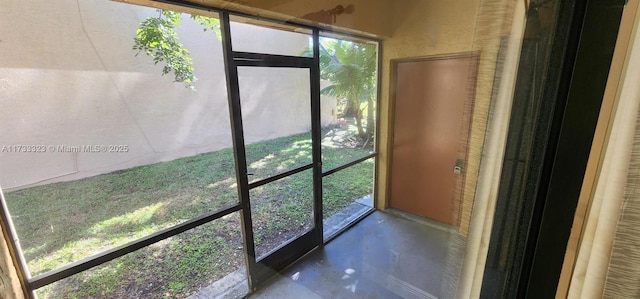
101 146
117 160
348 72
116 130
346 196
349 75
123 128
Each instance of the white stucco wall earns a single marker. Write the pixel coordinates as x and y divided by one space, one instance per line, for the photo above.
69 76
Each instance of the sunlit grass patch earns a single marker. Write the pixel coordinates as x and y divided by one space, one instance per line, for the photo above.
64 222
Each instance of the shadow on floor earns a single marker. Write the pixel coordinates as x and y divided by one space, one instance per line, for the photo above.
386 255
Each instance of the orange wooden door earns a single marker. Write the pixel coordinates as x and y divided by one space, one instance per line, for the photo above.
433 104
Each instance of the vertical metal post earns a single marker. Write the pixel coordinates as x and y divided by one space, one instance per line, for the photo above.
316 137
235 115
376 141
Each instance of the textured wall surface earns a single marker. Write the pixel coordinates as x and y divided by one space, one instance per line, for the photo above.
623 274
607 262
9 283
358 16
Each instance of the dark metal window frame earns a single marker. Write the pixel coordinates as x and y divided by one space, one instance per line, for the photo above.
527 262
258 271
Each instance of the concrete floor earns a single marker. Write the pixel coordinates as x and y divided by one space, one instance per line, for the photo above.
386 255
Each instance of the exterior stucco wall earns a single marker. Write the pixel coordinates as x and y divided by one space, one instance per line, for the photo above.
69 77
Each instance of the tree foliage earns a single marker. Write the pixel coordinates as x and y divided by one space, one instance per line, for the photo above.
351 69
157 38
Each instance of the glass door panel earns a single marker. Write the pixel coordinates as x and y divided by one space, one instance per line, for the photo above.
276 117
281 211
277 100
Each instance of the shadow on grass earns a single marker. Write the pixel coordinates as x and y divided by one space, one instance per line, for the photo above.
64 222
172 268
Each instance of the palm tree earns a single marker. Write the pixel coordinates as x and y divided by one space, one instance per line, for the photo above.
351 69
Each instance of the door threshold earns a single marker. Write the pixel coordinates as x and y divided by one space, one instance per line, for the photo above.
422 220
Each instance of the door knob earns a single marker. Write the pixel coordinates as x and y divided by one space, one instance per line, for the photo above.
457 169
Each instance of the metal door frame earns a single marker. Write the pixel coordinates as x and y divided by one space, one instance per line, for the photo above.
261 270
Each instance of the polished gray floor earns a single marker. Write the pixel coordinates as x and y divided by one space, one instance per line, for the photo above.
386 255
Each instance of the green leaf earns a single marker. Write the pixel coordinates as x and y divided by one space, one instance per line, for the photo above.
350 67
157 37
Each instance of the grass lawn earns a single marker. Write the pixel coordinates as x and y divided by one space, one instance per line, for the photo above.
64 222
